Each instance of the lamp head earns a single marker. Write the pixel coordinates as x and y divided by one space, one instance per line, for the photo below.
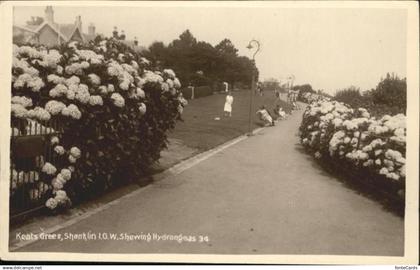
249 46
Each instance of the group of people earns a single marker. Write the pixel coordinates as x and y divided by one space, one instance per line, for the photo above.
292 96
269 119
263 113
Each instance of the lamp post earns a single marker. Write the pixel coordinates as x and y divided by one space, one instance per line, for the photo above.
251 45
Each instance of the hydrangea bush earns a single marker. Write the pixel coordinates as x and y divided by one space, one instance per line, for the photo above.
354 140
113 107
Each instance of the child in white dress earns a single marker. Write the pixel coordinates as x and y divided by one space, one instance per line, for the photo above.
228 104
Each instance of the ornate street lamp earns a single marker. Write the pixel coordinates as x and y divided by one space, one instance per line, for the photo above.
251 45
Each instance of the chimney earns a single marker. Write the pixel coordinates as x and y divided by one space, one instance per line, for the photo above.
136 42
91 30
78 22
122 37
49 14
115 33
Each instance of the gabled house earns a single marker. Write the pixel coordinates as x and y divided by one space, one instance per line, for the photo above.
50 33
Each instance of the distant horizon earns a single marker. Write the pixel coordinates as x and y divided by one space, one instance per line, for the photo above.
328 48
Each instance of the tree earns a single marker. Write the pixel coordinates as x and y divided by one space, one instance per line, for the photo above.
186 40
157 52
304 88
350 96
186 56
226 47
271 84
391 92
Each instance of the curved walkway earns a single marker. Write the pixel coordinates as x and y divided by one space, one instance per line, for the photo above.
262 195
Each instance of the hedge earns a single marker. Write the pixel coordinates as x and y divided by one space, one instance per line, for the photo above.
357 144
199 91
113 107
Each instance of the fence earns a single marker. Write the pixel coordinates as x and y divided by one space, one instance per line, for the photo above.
30 148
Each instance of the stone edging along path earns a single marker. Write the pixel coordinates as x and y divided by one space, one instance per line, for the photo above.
50 224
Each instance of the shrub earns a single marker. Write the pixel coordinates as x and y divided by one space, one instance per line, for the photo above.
186 92
351 96
203 91
113 109
350 138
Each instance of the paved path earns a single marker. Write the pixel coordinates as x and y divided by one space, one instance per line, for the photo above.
262 195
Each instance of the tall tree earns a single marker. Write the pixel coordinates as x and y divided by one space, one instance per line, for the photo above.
185 40
392 92
226 47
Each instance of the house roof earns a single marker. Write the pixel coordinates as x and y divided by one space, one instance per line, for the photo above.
53 27
29 28
65 31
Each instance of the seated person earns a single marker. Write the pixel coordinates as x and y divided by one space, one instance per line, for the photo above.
265 116
279 113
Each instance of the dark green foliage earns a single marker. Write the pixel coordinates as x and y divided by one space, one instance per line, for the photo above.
389 96
198 63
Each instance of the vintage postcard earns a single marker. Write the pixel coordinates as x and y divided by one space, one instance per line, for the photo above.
210 131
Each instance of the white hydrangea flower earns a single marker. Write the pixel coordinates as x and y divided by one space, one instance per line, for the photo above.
22 100
164 86
169 73
83 94
72 111
152 77
48 168
73 80
96 100
60 196
57 185
94 79
140 93
55 140
59 150
54 107
124 85
60 179
39 113
75 152
103 90
55 79
19 111
177 83
71 94
118 100
384 171
51 203
72 159
66 173
142 108
60 70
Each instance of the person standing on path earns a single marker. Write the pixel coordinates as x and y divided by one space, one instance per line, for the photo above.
228 104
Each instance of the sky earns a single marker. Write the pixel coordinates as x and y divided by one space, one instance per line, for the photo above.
328 48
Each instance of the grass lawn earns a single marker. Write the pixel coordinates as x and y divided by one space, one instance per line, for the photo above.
201 131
